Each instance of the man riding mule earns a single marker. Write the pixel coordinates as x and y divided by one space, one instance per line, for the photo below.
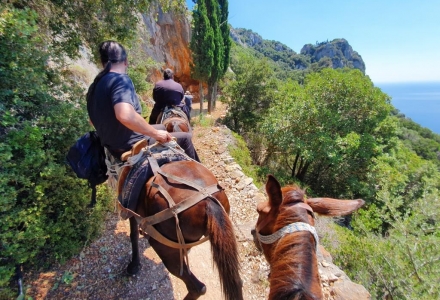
115 111
163 188
170 107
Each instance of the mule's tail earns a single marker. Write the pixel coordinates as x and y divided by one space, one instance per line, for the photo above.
224 251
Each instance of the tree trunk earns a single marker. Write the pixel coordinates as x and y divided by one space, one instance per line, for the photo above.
214 95
303 171
201 97
294 166
210 92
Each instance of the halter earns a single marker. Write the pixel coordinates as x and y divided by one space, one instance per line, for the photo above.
291 228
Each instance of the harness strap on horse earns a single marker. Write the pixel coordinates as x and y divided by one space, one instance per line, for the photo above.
156 234
178 208
199 188
153 164
291 228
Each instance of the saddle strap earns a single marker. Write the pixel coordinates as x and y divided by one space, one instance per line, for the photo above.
153 164
176 209
206 191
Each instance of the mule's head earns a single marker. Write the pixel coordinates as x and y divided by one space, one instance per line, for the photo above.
287 205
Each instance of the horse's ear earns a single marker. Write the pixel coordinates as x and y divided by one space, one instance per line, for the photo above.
334 207
273 190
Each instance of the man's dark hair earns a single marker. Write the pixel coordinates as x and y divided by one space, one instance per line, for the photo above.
109 52
168 74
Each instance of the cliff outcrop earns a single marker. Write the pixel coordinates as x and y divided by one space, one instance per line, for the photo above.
339 51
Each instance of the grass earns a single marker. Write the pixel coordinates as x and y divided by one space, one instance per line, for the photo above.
203 120
242 156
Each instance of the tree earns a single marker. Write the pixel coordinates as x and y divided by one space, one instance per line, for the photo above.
210 45
250 92
329 130
202 47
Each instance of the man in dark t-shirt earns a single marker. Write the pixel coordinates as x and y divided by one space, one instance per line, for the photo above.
167 92
112 89
115 111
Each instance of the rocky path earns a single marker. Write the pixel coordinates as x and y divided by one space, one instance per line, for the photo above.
98 272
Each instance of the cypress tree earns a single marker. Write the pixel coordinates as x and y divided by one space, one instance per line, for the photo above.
202 47
210 45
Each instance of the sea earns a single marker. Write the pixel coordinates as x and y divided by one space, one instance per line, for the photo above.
419 101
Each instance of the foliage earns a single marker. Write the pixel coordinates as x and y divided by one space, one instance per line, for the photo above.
394 248
337 133
240 152
328 131
44 217
334 54
274 50
210 44
421 140
249 92
202 44
66 25
204 121
313 58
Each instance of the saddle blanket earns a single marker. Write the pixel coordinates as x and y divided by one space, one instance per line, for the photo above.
140 173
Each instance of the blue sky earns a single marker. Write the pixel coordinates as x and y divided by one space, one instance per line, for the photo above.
399 41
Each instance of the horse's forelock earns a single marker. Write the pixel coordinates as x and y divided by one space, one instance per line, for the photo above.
292 194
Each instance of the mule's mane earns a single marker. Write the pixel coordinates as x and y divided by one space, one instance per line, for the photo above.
295 268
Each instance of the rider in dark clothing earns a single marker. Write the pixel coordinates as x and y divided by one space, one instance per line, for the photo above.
115 111
167 92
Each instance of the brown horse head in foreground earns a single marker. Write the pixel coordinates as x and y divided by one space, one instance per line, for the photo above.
289 241
207 216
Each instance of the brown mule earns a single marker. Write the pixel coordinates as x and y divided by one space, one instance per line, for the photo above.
208 217
176 124
289 241
174 120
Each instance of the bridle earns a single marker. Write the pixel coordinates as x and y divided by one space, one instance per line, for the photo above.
291 228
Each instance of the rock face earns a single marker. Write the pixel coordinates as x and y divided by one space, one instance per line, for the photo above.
339 51
169 35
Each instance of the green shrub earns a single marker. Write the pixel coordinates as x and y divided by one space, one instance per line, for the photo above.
241 155
43 209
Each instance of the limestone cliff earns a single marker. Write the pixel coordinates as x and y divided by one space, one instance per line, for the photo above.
168 39
339 52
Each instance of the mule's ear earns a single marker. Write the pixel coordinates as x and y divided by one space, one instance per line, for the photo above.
273 190
334 207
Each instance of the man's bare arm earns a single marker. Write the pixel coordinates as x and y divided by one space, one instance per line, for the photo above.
126 114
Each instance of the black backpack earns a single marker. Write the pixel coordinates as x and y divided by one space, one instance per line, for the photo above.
87 159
